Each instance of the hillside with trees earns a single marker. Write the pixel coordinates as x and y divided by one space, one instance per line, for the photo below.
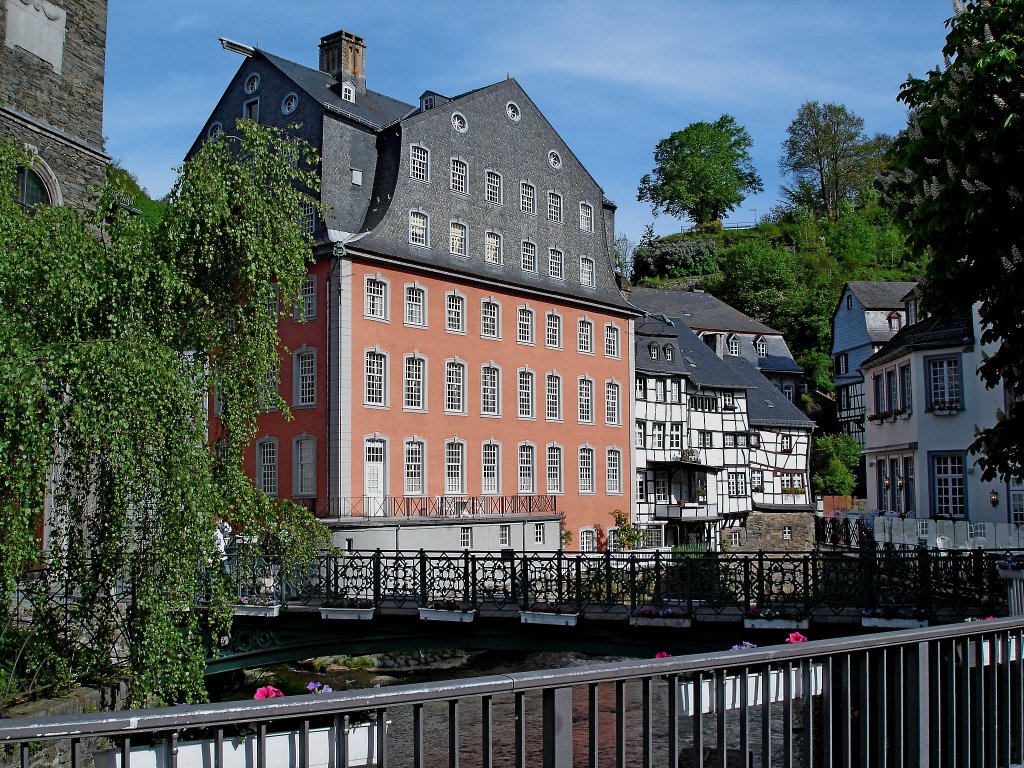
789 270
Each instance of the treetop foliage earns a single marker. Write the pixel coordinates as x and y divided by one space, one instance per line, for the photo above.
702 172
956 183
113 330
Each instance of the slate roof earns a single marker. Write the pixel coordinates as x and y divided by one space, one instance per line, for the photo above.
877 294
766 406
370 108
698 310
935 332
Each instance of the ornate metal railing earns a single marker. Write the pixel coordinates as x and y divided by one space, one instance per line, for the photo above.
947 696
943 586
842 533
437 506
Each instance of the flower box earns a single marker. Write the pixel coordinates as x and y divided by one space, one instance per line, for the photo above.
756 623
660 621
281 749
348 614
876 622
443 614
1007 573
266 611
550 618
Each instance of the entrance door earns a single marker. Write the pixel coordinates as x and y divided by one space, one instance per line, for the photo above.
374 490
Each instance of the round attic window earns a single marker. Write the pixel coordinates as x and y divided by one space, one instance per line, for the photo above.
554 159
215 130
252 83
289 103
512 110
459 122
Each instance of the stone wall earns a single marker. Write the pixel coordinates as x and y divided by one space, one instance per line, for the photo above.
106 698
767 531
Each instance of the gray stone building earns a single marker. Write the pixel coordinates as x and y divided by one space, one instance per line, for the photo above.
51 96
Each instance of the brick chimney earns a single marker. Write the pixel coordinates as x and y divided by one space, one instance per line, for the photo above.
343 55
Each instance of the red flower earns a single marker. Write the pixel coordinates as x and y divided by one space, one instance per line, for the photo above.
796 637
267 692
662 655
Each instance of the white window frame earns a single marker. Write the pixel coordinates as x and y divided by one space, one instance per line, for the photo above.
586 217
612 403
490 468
553 468
414 466
458 176
455 467
376 305
556 264
411 387
375 353
554 207
458 236
505 535
495 397
552 330
588 277
304 378
419 163
526 384
488 318
419 228
525 317
612 341
613 471
587 470
454 309
493 248
305 308
494 192
526 463
268 462
552 397
409 314
304 466
585 400
585 336
587 540
528 256
528 198
455 381
737 484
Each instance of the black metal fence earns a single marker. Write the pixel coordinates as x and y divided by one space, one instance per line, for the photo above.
438 506
940 586
948 696
842 533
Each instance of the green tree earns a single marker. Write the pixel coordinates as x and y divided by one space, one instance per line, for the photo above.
761 280
956 181
109 348
834 462
702 172
829 155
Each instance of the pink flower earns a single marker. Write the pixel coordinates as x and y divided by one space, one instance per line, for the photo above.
662 655
796 637
267 692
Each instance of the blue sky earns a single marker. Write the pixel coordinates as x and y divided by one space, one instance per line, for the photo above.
613 77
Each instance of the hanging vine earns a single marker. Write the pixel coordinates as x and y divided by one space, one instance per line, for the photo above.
112 333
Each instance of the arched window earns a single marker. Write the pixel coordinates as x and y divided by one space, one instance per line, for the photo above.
30 190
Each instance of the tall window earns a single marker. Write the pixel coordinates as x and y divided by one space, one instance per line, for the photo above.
454 468
538 533
376 370
306 309
761 347
556 265
419 225
415 305
906 390
526 478
305 467
786 443
524 326
505 535
586 401
525 395
490 400
555 207
414 470
528 198
586 470
413 384
675 436
587 271
459 174
490 464
457 238
585 337
611 341
492 187
305 364
455 387
948 479
944 383
611 403
737 484
490 312
466 537
455 313
492 248
588 540
376 300
613 471
529 256
658 435
553 330
890 389
553 397
266 466
30 190
734 345
419 163
554 469
586 217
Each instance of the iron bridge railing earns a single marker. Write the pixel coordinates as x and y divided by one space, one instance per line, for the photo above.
943 586
438 506
948 696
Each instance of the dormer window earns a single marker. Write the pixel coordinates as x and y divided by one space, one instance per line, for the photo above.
734 346
670 353
654 350
762 348
895 321
427 102
348 92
